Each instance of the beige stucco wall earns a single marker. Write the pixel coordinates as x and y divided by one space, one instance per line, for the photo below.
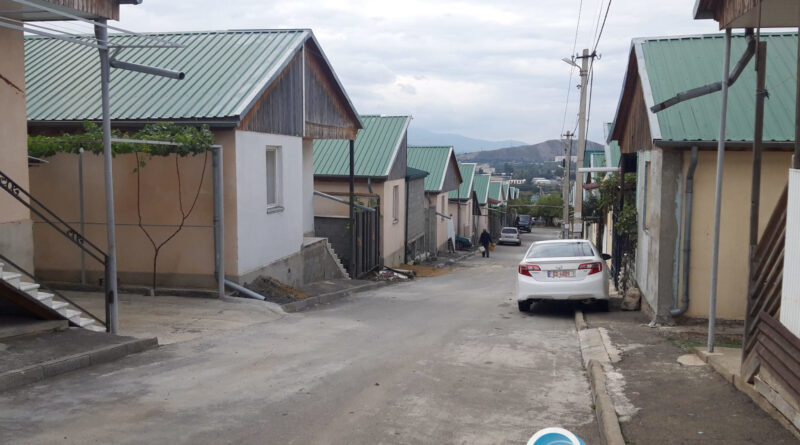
734 229
441 222
186 260
16 239
464 227
392 232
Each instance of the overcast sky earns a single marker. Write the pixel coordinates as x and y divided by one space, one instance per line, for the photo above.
489 70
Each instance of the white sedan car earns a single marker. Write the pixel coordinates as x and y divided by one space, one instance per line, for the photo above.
570 269
509 235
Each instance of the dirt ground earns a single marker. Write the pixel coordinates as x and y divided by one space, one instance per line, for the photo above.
666 402
425 271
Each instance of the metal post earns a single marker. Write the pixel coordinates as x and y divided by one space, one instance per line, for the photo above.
353 245
755 189
219 219
80 205
796 158
565 226
581 139
101 33
105 77
712 310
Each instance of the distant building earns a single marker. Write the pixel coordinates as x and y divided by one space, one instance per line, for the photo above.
485 169
517 181
561 158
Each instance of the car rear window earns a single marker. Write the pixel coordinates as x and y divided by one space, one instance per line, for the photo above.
509 230
559 250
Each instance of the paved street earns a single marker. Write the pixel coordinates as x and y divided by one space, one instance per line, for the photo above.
437 360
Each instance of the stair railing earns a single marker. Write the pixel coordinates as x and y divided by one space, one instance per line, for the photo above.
61 226
47 215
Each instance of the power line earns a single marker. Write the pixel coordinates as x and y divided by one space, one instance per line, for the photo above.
602 27
572 69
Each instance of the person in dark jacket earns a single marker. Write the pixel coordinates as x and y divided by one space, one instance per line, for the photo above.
485 240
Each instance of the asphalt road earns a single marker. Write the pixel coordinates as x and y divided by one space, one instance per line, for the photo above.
445 360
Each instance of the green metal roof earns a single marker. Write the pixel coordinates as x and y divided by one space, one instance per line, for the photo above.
496 191
505 191
433 160
480 185
375 149
226 72
673 65
467 174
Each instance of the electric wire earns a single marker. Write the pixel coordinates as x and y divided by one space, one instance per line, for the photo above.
572 68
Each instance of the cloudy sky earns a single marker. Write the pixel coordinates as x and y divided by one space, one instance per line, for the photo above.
489 70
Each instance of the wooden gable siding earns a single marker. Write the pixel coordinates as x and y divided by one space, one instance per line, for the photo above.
280 108
101 8
632 128
326 108
303 101
450 178
398 170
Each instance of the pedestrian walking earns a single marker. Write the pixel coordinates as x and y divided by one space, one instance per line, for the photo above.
485 240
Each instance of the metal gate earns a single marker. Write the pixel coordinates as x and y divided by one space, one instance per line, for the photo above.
367 253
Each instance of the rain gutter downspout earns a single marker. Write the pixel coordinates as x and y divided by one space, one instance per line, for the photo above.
687 236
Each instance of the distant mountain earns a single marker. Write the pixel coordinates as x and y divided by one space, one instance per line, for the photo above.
541 152
462 144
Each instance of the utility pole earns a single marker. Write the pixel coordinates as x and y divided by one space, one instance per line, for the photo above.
581 137
566 226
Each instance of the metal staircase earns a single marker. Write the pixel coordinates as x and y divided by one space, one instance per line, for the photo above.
33 296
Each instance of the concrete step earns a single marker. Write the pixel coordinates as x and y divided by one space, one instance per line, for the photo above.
84 322
1 267
94 327
11 278
30 288
56 305
45 298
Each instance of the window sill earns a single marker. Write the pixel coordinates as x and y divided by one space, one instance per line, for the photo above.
274 209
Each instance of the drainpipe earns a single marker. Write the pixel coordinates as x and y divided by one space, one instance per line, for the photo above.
219 223
687 236
405 236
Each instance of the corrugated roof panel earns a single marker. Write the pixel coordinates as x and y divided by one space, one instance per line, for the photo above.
678 64
480 185
505 191
467 173
225 72
496 190
432 159
375 148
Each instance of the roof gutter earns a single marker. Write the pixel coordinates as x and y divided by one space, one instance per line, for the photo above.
716 86
687 237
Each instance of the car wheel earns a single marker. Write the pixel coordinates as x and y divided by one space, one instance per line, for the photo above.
524 306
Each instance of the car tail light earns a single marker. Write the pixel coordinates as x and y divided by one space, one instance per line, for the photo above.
593 268
526 269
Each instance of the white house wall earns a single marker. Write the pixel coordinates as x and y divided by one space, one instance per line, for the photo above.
264 237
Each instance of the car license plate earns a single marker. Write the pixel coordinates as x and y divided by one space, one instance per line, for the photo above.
560 273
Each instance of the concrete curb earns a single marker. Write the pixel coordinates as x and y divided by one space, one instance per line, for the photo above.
580 321
610 432
41 371
307 303
593 344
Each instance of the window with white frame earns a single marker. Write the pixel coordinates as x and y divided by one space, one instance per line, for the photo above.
395 203
273 177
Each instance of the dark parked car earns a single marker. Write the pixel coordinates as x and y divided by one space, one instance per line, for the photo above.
524 222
